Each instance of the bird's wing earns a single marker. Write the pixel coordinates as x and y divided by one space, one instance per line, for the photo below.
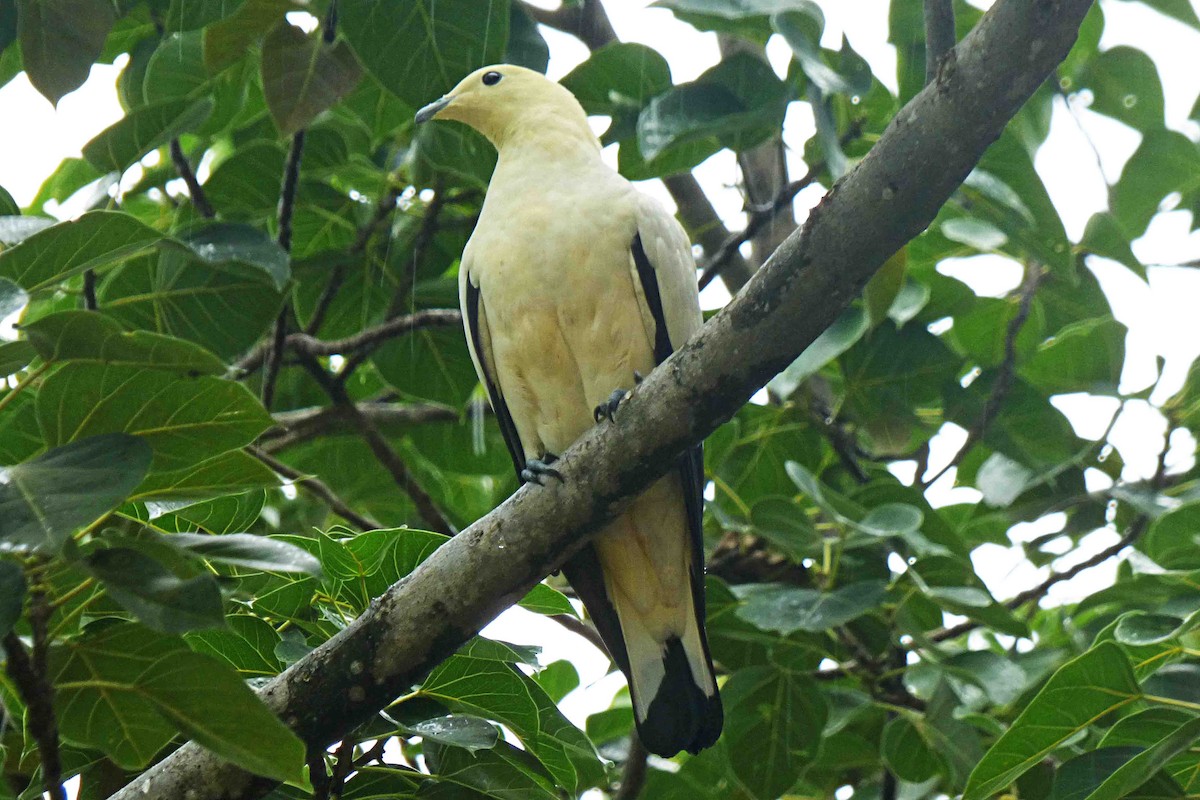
479 342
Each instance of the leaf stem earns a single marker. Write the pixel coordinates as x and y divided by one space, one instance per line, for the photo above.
21 384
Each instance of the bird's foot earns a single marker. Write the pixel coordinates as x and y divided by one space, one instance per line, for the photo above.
608 409
538 469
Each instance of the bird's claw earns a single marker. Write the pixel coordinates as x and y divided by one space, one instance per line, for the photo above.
608 409
538 469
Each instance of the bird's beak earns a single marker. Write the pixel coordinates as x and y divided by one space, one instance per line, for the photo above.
430 111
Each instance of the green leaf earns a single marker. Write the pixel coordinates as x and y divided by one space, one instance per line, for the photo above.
175 70
250 551
12 298
430 364
1080 692
502 772
543 599
223 308
224 244
1104 237
787 609
8 206
15 356
773 727
420 50
802 31
526 46
1173 540
12 595
907 752
1164 162
95 240
227 40
247 643
302 76
186 15
91 337
1125 85
558 679
891 519
1138 628
749 19
60 39
147 128
124 691
1083 776
459 730
1085 356
184 419
740 101
1135 771
46 499
485 688
839 337
619 78
156 596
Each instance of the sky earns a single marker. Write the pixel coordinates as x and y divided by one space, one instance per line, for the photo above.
1161 314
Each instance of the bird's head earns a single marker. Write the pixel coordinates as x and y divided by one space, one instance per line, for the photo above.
504 101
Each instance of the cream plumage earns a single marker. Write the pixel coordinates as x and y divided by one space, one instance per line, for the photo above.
572 282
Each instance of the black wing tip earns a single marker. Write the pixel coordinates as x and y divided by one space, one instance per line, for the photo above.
681 716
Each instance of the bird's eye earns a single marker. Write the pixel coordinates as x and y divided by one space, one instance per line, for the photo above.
491 78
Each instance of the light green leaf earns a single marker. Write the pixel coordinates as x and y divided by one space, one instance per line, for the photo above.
460 730
839 337
542 599
1164 162
1125 86
247 643
91 337
95 240
420 50
1083 690
302 76
224 244
147 128
46 499
184 419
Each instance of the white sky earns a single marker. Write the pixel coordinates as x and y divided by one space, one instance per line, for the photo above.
1161 316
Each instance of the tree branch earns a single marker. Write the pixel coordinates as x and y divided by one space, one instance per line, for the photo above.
888 198
1004 378
195 190
633 776
294 427
29 673
317 489
939 35
287 208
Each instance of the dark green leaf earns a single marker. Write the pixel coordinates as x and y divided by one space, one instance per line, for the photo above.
1135 771
227 40
250 551
247 643
1165 162
420 50
95 240
45 500
619 78
92 337
1086 356
787 609
186 15
175 70
835 340
526 47
1104 237
558 679
60 39
225 244
15 356
1084 689
502 772
156 596
1124 84
907 752
303 77
773 727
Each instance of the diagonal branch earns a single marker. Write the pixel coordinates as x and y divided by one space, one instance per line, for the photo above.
887 199
317 489
199 198
939 35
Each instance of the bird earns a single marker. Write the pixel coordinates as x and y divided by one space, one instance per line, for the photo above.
573 285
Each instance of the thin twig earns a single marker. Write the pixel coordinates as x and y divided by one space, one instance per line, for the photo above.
383 452
287 209
1038 592
633 776
581 628
761 217
32 681
373 337
195 190
429 226
89 290
318 774
1004 378
342 768
939 35
317 489
301 425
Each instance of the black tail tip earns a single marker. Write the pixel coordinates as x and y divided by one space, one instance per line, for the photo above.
681 716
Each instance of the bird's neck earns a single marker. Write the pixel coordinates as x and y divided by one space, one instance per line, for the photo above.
549 138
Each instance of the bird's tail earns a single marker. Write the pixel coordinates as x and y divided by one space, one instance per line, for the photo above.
644 589
675 699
